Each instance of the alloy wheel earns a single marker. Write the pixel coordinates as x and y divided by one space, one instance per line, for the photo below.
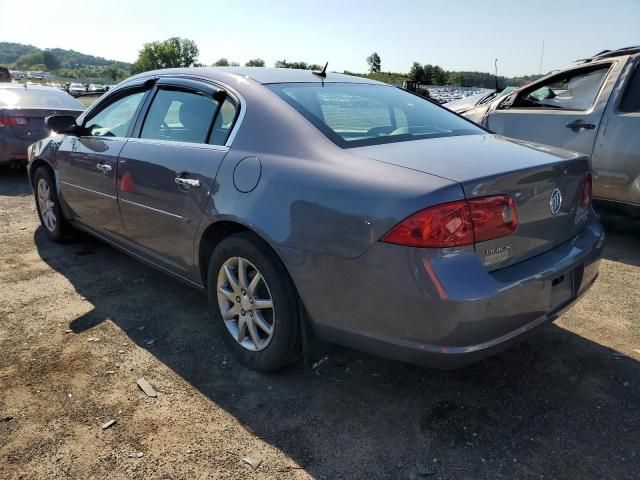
246 304
46 205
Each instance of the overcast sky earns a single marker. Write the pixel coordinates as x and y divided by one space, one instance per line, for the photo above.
461 35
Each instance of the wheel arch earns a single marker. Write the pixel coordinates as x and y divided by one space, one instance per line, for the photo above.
217 231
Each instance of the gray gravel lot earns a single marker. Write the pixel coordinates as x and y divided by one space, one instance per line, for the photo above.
563 404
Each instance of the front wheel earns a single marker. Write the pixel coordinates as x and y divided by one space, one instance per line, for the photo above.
48 204
254 303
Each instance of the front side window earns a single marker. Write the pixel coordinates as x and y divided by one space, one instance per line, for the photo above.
354 115
180 116
115 119
573 90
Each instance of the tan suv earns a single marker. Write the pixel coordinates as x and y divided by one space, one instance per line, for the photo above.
592 108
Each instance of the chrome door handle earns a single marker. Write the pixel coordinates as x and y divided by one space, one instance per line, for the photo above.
104 168
187 182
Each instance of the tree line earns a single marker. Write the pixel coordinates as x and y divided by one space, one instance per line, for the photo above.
182 52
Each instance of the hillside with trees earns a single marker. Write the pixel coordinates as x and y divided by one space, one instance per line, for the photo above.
180 52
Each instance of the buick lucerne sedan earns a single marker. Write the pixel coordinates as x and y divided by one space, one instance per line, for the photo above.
320 204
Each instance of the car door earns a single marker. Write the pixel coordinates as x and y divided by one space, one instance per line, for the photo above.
87 162
167 173
563 110
616 156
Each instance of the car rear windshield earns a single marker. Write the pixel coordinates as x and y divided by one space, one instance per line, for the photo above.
36 98
356 115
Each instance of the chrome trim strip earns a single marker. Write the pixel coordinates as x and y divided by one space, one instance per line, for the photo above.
200 146
143 259
155 210
88 190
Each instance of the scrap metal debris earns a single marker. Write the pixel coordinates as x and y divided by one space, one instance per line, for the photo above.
147 388
93 339
110 423
136 455
253 461
6 419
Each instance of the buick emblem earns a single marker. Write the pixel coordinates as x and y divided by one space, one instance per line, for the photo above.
555 201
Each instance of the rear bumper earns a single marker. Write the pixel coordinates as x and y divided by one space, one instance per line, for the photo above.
437 308
14 149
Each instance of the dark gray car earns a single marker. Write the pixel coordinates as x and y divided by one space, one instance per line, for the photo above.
23 109
386 222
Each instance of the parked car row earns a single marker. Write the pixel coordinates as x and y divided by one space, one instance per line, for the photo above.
592 108
319 205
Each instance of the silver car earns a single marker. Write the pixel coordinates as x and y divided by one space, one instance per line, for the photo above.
310 204
592 108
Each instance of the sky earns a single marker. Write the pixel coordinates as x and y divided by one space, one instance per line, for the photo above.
460 35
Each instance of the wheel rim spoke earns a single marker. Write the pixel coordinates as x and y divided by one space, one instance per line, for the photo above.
262 324
231 278
245 303
261 304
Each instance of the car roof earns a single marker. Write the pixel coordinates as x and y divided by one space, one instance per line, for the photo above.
261 75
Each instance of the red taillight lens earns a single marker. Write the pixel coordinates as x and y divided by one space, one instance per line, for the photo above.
587 190
493 217
446 225
457 223
6 121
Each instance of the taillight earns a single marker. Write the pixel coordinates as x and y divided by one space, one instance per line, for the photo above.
587 190
493 217
459 223
18 121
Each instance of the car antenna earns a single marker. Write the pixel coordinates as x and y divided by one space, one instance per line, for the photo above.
321 73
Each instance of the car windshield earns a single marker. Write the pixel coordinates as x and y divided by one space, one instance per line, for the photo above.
36 98
355 115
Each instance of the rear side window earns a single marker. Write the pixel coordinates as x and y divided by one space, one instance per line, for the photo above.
631 99
180 116
224 122
354 115
115 118
38 98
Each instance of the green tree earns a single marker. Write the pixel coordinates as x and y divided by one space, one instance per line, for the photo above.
173 52
439 76
223 62
428 74
417 72
25 62
256 62
374 62
50 60
234 64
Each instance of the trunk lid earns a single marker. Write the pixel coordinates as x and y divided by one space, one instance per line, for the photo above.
32 128
489 165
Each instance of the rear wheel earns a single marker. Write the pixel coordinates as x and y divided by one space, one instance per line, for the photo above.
254 303
48 204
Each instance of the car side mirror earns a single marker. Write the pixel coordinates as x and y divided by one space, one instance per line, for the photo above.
61 123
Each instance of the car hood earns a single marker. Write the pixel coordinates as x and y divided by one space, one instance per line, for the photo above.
467 157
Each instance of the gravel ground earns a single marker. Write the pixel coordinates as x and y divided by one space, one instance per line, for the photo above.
81 322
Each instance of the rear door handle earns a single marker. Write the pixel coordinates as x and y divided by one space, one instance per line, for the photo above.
187 182
578 125
104 168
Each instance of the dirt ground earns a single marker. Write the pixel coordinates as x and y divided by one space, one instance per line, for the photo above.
563 404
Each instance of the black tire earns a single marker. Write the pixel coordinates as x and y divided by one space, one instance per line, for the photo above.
60 231
284 347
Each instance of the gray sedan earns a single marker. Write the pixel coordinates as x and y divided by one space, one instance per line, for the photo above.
308 204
